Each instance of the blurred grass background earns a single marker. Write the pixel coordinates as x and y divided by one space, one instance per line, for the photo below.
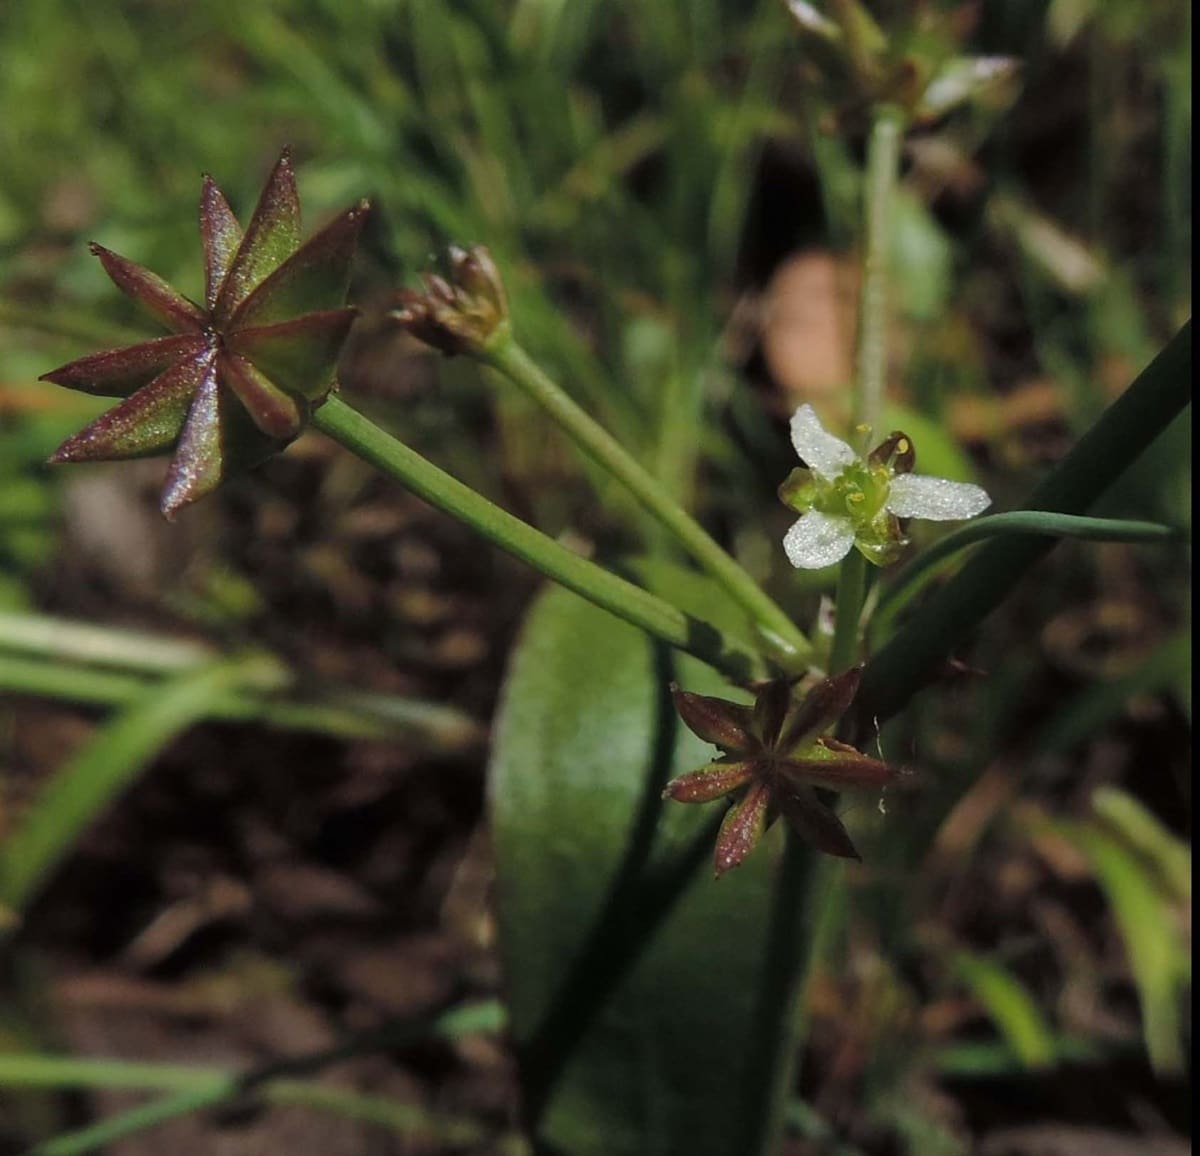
675 214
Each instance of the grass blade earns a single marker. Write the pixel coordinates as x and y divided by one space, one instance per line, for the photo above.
1123 432
94 777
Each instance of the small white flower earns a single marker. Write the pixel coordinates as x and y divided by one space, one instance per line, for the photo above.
846 500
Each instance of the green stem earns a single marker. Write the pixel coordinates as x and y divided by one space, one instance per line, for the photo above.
870 378
793 941
883 164
1159 394
507 356
852 589
910 580
771 1064
635 605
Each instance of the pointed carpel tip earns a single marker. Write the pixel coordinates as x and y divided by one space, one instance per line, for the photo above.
281 175
74 449
351 220
174 494
722 867
169 505
852 677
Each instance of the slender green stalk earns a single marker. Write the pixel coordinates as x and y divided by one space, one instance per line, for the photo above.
1159 394
870 376
510 359
635 605
852 589
773 1056
925 564
793 922
883 164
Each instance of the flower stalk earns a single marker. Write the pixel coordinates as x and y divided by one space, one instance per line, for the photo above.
507 356
366 440
466 312
851 593
801 874
883 164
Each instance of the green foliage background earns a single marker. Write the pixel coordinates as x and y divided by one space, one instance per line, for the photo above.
611 155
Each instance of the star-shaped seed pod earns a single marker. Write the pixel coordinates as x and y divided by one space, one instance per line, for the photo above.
848 501
238 376
775 753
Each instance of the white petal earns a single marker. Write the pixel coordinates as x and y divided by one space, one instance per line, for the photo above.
818 540
824 454
936 499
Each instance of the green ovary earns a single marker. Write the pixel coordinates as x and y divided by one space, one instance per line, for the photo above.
859 493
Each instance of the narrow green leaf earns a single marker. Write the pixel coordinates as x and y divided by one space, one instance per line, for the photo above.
1123 432
1020 522
1159 848
94 777
1011 1008
329 709
193 1089
1159 954
139 1119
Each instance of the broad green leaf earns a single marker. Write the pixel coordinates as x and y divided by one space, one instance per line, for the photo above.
632 974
